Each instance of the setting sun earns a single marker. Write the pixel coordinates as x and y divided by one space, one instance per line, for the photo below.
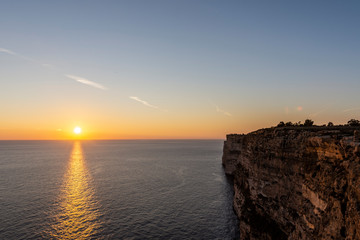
77 130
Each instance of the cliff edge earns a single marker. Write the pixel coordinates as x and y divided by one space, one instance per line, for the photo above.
296 182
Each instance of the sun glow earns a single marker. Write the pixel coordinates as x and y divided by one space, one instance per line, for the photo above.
77 130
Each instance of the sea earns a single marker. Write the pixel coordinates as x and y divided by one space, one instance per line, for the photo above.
115 189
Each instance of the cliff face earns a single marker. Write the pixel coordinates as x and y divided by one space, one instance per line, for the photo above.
296 183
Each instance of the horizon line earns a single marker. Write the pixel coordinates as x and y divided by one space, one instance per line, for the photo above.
113 139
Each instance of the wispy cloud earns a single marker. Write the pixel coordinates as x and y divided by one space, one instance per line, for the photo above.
86 81
317 113
143 102
222 111
46 65
7 51
351 109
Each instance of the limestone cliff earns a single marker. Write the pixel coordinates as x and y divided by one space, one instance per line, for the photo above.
296 183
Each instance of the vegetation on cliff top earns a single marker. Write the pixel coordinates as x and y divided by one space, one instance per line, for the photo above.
310 123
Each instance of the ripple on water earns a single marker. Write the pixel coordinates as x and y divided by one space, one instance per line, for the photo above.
114 190
77 210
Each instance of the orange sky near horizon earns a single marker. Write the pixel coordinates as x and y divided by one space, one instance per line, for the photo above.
119 131
141 122
131 120
145 125
210 128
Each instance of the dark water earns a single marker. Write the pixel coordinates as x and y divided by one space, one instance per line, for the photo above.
114 190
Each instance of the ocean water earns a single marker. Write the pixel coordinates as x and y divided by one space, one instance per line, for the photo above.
126 189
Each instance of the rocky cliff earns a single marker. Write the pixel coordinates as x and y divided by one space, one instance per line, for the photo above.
296 183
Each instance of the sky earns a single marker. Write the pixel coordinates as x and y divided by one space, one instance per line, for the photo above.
175 69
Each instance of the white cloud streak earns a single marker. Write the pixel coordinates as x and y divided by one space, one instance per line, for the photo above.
7 51
317 113
86 82
144 102
222 111
76 78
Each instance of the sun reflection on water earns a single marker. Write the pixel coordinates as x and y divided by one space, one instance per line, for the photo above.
77 216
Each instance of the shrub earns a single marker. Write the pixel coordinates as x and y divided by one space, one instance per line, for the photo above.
281 124
353 122
289 124
298 124
308 123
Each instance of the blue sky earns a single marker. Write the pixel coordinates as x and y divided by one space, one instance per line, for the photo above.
241 65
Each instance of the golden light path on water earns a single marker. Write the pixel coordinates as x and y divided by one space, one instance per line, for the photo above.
77 216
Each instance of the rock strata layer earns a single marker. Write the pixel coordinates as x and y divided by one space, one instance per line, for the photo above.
296 183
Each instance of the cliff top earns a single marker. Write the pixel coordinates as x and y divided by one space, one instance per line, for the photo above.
319 130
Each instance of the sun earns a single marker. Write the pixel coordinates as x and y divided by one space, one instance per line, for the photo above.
77 130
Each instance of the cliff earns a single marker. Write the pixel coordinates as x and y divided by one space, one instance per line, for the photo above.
296 182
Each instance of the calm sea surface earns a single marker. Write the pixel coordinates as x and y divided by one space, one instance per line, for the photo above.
136 189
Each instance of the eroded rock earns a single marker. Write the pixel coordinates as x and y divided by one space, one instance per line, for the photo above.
296 183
